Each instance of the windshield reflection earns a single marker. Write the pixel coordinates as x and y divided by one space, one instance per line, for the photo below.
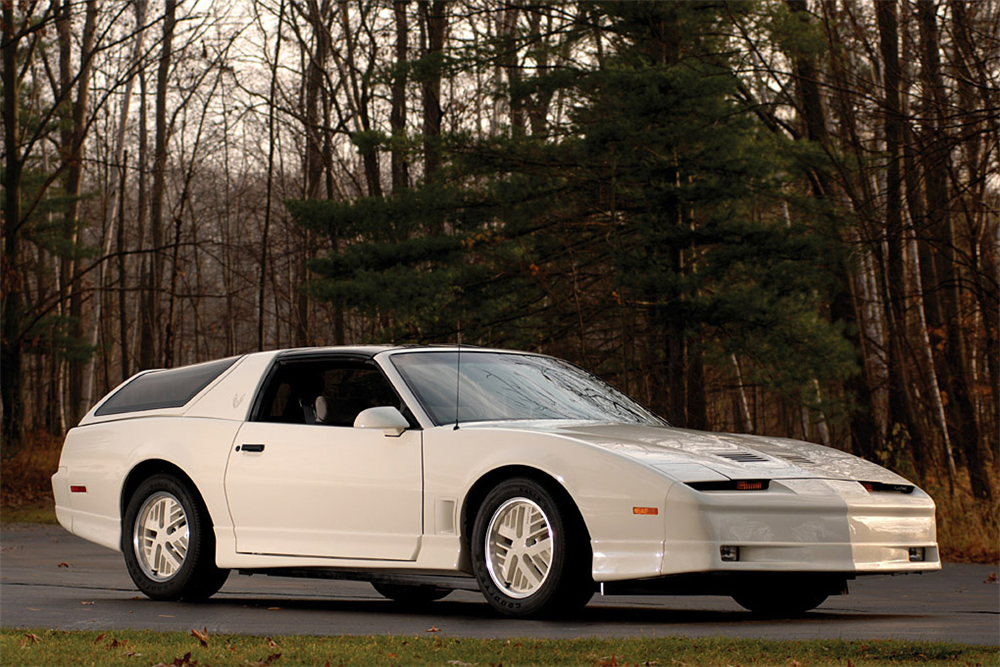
502 386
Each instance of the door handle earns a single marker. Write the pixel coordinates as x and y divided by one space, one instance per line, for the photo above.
252 448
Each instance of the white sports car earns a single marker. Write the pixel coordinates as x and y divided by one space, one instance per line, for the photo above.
424 470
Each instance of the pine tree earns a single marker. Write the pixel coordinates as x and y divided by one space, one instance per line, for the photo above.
660 195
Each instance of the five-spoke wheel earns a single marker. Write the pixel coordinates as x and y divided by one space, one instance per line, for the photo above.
529 555
168 542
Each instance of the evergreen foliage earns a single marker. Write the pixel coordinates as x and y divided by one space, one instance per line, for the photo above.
671 198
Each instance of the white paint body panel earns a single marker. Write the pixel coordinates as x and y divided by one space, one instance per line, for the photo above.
326 491
323 496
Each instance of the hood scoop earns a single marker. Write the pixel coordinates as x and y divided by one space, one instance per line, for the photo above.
740 457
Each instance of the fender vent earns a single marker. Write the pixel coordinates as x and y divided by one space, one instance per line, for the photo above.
741 457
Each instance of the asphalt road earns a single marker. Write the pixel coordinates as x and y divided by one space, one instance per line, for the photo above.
51 579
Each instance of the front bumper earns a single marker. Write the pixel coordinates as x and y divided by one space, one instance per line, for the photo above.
795 526
800 526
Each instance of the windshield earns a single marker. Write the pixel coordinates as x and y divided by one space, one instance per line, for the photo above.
500 386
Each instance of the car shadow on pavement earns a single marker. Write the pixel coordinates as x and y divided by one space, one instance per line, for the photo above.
604 614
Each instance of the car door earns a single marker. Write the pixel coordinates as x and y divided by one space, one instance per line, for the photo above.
307 484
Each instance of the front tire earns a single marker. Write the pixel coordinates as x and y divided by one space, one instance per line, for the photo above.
530 557
169 543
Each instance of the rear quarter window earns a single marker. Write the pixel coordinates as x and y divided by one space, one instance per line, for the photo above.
163 389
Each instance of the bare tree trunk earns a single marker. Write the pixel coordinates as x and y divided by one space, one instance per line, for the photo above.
74 178
160 159
697 409
934 387
900 403
433 14
123 274
10 351
118 175
397 117
977 457
743 403
508 50
270 180
361 96
538 107
315 76
146 339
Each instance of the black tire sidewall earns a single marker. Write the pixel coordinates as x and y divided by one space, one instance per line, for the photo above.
546 599
199 562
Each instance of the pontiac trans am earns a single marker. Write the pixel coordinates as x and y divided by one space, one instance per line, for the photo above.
425 470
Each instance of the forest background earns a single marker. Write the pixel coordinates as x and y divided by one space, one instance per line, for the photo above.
762 216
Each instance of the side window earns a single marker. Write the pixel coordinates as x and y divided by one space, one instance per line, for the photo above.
330 393
164 389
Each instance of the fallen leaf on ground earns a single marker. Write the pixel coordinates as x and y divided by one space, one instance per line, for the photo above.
459 663
31 637
185 661
63 565
432 629
116 643
265 662
272 643
273 608
992 579
202 636
85 602
98 638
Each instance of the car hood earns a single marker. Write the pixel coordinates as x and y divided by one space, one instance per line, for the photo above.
701 456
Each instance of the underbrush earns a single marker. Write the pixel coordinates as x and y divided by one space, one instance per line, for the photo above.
968 529
26 480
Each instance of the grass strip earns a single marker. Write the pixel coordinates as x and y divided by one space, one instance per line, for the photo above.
39 511
198 648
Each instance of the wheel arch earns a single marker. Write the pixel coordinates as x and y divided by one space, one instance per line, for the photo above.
478 492
146 469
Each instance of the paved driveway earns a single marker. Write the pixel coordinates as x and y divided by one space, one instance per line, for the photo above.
51 579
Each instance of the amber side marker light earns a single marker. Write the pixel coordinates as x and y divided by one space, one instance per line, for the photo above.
77 489
651 511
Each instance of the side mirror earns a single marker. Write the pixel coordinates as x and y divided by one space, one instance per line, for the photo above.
386 418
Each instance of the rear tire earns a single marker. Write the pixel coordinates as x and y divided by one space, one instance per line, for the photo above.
410 594
530 557
169 543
